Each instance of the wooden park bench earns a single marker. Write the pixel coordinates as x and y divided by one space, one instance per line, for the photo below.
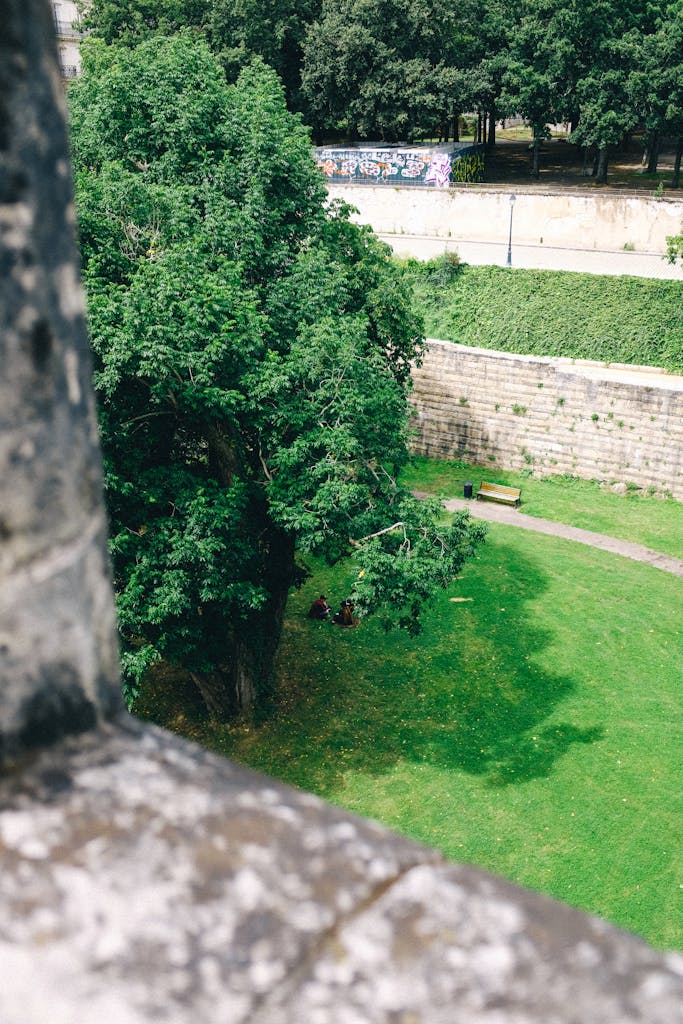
499 492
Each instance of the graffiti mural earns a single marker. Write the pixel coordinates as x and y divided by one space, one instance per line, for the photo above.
439 170
436 166
469 168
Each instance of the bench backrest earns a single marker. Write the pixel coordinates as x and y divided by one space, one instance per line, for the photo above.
514 492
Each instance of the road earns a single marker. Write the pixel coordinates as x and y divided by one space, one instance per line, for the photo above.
537 257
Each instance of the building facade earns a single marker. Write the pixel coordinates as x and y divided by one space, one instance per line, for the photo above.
69 34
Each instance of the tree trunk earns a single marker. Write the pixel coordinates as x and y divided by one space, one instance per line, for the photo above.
478 127
456 127
536 155
601 175
244 673
492 130
677 162
585 171
231 688
653 153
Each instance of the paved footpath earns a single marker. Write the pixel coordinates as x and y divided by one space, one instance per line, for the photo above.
513 517
537 257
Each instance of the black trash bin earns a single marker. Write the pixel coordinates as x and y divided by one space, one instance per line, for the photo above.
467 489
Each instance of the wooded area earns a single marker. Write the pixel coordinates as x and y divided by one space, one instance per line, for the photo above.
405 70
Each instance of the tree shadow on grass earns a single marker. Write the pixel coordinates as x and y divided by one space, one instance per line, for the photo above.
466 695
533 757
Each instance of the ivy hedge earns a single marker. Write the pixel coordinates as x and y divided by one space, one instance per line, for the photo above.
551 313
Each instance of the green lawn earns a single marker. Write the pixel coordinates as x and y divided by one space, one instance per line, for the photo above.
533 728
655 522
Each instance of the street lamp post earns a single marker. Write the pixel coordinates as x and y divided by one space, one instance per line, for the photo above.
508 262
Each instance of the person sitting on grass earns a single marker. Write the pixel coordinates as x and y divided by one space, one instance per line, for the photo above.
320 609
344 617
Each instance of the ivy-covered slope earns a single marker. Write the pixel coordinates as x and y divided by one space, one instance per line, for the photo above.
552 313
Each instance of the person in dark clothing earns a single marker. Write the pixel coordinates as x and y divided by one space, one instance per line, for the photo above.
320 609
344 617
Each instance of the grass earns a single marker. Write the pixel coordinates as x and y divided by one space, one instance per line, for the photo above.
531 729
653 521
614 319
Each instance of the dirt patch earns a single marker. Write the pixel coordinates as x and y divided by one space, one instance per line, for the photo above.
562 166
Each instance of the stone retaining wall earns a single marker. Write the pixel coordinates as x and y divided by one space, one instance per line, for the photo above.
551 416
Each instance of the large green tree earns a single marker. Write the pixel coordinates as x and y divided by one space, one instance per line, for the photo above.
252 352
655 83
382 68
237 30
532 74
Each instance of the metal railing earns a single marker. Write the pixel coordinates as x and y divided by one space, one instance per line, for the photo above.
68 28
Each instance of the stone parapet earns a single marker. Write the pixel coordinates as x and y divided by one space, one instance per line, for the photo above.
58 651
145 880
551 416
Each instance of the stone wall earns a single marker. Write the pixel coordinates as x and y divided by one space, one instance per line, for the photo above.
600 222
58 651
550 416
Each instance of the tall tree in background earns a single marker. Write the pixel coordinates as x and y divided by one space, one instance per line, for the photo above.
275 31
382 68
484 33
655 83
253 353
238 30
131 21
532 73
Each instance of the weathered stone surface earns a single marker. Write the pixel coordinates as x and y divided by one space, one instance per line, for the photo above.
144 880
57 648
551 416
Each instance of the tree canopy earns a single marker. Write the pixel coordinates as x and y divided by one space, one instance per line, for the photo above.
382 67
402 70
252 355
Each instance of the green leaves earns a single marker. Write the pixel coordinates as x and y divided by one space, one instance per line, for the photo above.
403 567
608 318
252 358
380 67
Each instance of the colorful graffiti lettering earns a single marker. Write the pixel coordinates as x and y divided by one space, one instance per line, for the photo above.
328 167
432 167
439 170
370 167
469 168
413 168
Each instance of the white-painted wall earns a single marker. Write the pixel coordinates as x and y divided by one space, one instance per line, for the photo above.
589 222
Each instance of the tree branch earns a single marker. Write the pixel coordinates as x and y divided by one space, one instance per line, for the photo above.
370 536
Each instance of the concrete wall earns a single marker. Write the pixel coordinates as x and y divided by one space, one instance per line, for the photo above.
551 416
600 222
